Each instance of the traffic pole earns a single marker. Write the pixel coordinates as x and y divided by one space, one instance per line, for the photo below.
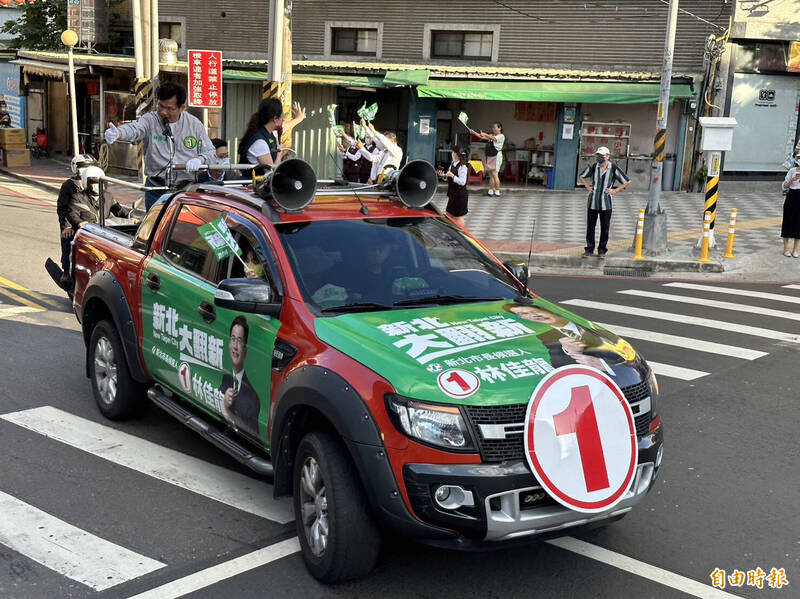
639 235
280 61
706 233
731 233
712 190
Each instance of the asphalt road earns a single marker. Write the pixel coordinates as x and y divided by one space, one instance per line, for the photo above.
726 497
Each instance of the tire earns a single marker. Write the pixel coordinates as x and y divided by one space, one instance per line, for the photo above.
117 395
327 487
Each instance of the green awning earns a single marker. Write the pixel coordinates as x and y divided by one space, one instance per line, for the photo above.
551 91
413 78
245 75
340 80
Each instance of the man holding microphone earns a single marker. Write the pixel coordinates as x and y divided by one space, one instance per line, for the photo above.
170 136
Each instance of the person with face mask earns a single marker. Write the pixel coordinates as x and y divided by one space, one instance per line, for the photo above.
78 204
223 158
599 179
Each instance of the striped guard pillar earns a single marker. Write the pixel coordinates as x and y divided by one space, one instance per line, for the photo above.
282 91
712 186
659 144
143 93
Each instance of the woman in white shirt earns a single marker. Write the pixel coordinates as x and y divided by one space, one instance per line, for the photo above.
259 143
790 226
457 195
494 155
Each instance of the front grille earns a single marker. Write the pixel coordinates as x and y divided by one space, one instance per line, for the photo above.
513 447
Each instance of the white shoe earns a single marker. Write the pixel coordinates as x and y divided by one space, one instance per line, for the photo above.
497 192
491 192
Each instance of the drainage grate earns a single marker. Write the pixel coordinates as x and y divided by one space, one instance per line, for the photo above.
626 271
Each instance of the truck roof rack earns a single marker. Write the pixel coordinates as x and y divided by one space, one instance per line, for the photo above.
247 197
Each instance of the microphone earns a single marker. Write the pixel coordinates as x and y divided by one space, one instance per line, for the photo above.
167 130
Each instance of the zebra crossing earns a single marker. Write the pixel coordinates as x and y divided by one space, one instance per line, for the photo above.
102 562
666 306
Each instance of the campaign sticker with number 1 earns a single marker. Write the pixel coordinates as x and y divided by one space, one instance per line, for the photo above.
580 438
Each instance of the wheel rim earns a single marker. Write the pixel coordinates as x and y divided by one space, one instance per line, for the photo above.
105 370
314 506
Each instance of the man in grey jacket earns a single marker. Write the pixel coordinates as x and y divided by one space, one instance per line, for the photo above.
170 136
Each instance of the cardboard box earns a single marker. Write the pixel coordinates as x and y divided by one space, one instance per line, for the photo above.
12 139
12 158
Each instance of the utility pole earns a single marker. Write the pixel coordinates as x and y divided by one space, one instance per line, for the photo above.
655 222
280 60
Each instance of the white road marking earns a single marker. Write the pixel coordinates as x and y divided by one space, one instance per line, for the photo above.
215 482
708 303
17 310
676 372
731 327
791 299
214 574
720 349
66 549
628 564
791 286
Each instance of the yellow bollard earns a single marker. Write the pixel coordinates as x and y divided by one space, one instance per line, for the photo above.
639 235
706 234
731 233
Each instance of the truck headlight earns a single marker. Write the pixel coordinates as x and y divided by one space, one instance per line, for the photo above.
440 425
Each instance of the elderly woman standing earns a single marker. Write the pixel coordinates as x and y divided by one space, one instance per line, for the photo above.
790 227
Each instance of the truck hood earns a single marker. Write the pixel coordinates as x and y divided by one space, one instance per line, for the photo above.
487 353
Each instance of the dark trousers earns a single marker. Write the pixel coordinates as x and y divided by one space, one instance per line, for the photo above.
591 224
65 252
151 197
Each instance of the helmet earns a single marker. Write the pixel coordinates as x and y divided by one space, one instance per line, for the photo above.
81 161
90 175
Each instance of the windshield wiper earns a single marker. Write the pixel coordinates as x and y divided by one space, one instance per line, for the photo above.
358 307
445 300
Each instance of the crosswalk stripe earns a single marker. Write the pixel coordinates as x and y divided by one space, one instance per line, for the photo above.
223 485
731 327
701 301
791 286
684 342
16 310
214 574
66 549
731 291
676 372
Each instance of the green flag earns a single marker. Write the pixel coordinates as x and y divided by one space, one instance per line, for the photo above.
332 115
219 239
462 116
368 112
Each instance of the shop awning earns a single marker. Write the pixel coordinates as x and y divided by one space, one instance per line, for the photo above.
46 69
245 75
413 78
374 81
551 91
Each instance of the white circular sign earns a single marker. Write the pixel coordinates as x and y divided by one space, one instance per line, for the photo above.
580 438
185 377
458 383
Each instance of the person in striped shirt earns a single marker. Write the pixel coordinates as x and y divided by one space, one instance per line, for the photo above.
599 179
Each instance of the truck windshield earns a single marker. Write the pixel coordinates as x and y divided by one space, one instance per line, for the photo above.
384 264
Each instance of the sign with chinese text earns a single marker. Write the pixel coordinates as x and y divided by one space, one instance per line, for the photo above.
89 19
205 78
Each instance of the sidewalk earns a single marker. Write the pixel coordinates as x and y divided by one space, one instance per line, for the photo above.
552 226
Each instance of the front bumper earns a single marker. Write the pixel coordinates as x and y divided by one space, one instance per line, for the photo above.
509 503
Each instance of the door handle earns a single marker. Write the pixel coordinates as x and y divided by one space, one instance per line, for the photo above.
153 282
207 311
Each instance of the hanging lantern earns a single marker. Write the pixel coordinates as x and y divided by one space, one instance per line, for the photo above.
5 2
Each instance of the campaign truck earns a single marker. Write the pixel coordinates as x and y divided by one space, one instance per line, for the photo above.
370 358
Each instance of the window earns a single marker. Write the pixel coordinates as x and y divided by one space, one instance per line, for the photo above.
355 42
172 31
186 246
476 45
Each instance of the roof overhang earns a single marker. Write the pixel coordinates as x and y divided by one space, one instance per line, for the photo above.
54 70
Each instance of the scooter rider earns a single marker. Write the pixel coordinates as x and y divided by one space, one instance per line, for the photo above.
78 204
170 136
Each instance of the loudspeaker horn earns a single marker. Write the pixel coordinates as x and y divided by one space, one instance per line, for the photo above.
415 183
292 184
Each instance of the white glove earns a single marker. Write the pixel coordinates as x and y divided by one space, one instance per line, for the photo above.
193 164
111 134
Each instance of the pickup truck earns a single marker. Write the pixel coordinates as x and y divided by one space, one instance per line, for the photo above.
372 359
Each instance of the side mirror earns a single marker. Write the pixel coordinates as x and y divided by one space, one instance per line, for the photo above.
519 269
254 296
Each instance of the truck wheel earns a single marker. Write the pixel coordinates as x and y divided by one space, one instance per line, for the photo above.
118 396
337 534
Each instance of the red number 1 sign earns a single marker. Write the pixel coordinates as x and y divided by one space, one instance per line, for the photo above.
580 438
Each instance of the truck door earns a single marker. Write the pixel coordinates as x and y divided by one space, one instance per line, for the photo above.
194 348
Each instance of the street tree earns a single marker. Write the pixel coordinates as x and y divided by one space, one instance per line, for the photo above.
39 26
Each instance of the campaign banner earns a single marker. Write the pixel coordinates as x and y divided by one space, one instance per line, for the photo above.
9 93
219 239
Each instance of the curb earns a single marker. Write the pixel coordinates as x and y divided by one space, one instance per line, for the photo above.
614 264
30 180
